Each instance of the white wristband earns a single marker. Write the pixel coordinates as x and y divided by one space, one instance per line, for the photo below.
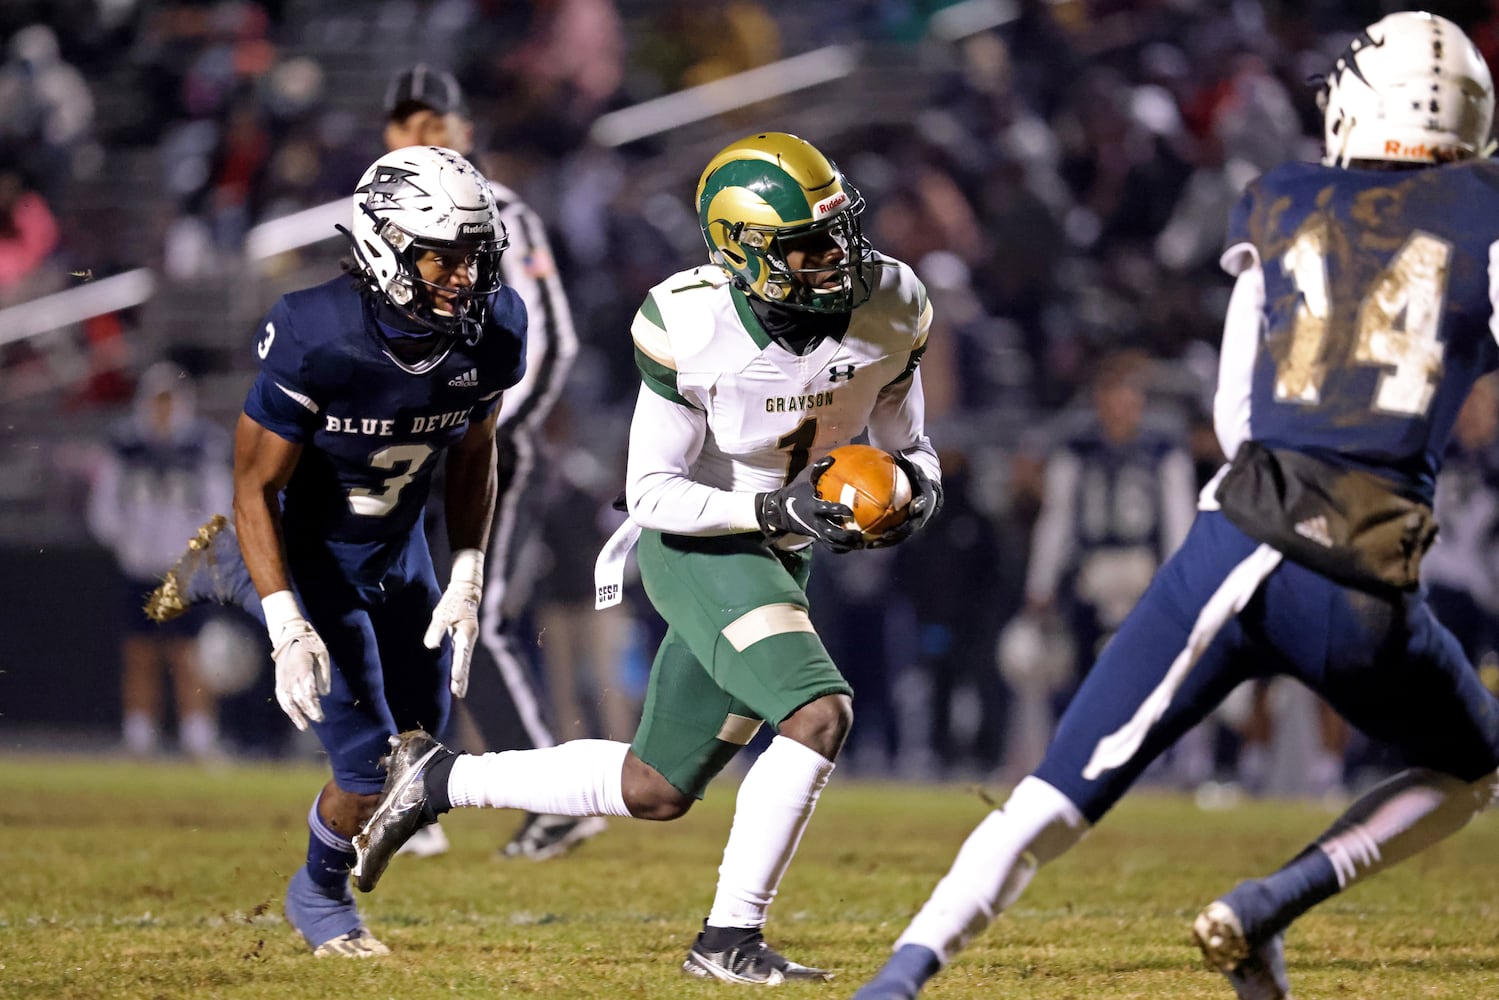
468 567
280 610
744 514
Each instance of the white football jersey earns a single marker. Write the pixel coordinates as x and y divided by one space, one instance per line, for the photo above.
755 414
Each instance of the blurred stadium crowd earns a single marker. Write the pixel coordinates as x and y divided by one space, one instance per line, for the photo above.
1059 174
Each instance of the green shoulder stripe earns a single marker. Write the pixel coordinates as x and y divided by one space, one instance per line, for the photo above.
660 379
648 330
652 312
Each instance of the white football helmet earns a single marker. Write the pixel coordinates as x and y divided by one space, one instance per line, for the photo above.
427 198
1411 88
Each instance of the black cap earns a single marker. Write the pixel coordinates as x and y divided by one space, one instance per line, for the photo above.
426 86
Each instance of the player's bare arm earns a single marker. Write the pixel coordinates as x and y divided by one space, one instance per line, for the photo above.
263 464
472 483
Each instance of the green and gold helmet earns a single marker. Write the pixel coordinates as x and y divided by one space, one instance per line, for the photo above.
770 194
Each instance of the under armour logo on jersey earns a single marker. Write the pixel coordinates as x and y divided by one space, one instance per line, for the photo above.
388 184
467 380
839 373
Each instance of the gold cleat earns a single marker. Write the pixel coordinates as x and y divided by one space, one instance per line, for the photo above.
168 600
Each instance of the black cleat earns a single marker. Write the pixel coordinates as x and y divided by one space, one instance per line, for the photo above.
751 961
402 807
542 837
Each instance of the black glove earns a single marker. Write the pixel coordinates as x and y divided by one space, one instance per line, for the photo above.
795 509
926 500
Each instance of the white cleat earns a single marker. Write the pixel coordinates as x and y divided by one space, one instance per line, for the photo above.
358 943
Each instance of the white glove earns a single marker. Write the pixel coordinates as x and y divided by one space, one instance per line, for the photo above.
303 671
457 614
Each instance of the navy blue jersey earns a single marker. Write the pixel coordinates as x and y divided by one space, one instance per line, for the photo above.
153 490
1112 513
371 431
1120 490
1378 310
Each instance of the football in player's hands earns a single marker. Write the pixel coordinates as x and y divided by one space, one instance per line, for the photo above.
868 482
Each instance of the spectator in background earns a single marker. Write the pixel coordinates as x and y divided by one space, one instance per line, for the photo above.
960 559
583 650
165 471
28 235
569 65
1459 571
46 109
1119 496
230 200
686 44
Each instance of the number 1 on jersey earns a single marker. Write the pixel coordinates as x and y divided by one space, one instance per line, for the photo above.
1397 324
800 442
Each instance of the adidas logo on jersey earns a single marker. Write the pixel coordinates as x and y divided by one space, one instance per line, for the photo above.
466 380
1315 529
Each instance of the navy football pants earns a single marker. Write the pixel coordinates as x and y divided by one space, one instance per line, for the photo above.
1385 663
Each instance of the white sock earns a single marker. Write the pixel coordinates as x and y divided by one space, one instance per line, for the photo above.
775 802
994 866
577 778
140 733
1254 767
198 734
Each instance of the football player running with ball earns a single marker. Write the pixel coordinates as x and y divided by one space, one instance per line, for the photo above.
1366 306
795 339
364 381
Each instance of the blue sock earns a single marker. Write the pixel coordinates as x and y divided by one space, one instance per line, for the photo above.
1268 906
903 975
319 901
329 856
319 913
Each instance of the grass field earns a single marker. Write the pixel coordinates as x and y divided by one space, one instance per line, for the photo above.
164 881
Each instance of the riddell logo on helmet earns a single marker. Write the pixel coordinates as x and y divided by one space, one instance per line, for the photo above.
475 229
1396 149
830 204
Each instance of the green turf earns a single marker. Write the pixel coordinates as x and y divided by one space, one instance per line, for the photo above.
164 881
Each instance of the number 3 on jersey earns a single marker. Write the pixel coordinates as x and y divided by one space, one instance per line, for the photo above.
403 460
1397 324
